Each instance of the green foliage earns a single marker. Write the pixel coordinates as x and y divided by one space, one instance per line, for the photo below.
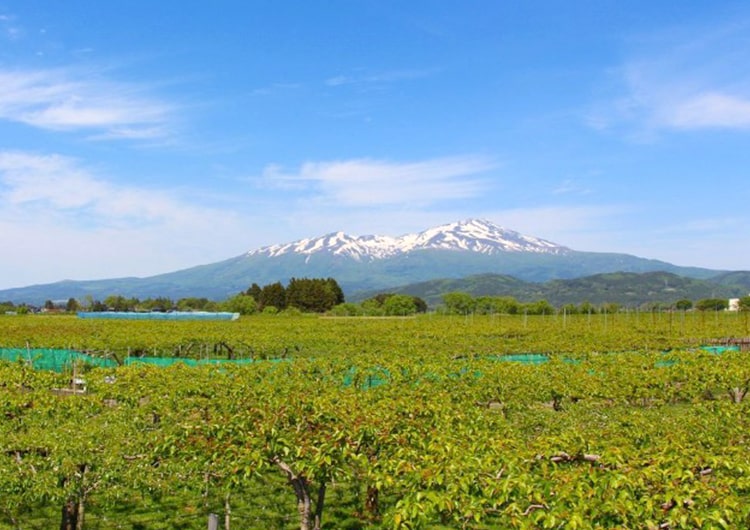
492 305
240 303
439 426
315 295
387 304
683 304
196 304
72 306
711 304
120 303
459 303
347 309
541 307
399 305
273 294
160 303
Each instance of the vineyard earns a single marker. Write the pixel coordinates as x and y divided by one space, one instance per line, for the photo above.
623 420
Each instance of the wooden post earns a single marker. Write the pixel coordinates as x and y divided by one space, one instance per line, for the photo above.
227 513
213 521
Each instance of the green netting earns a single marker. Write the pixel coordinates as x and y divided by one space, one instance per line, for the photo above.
665 363
49 359
155 315
720 349
524 358
64 360
371 379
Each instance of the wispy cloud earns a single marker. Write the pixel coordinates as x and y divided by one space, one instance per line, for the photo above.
71 100
364 78
684 80
55 185
8 28
367 182
570 187
55 206
709 109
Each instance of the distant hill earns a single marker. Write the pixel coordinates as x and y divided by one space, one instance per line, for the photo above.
736 279
625 288
366 263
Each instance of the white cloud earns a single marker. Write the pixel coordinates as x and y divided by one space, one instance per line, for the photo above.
9 29
391 76
54 184
686 79
65 221
581 227
367 182
67 100
710 109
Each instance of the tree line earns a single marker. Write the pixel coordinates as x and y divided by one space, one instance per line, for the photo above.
459 303
324 295
307 295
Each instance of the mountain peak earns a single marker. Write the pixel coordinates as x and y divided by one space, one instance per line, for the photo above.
470 235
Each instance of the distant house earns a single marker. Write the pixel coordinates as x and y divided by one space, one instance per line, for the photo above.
734 304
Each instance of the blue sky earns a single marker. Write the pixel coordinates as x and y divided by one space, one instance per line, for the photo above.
143 137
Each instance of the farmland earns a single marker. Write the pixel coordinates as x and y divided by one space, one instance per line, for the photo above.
614 421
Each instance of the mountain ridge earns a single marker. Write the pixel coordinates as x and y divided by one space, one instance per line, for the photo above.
366 263
476 235
625 288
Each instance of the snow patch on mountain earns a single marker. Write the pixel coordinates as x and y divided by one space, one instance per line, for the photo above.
473 235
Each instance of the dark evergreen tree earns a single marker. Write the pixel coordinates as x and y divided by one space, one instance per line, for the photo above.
420 304
254 290
338 293
273 295
313 295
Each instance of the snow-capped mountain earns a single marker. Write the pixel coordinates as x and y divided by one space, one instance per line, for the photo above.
368 263
473 235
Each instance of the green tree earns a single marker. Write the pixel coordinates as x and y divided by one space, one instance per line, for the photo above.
491 305
569 309
400 305
274 295
376 304
72 306
712 304
347 309
683 304
540 307
313 295
160 303
254 290
610 307
586 308
420 304
335 288
240 303
459 303
194 304
744 303
120 303
371 307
